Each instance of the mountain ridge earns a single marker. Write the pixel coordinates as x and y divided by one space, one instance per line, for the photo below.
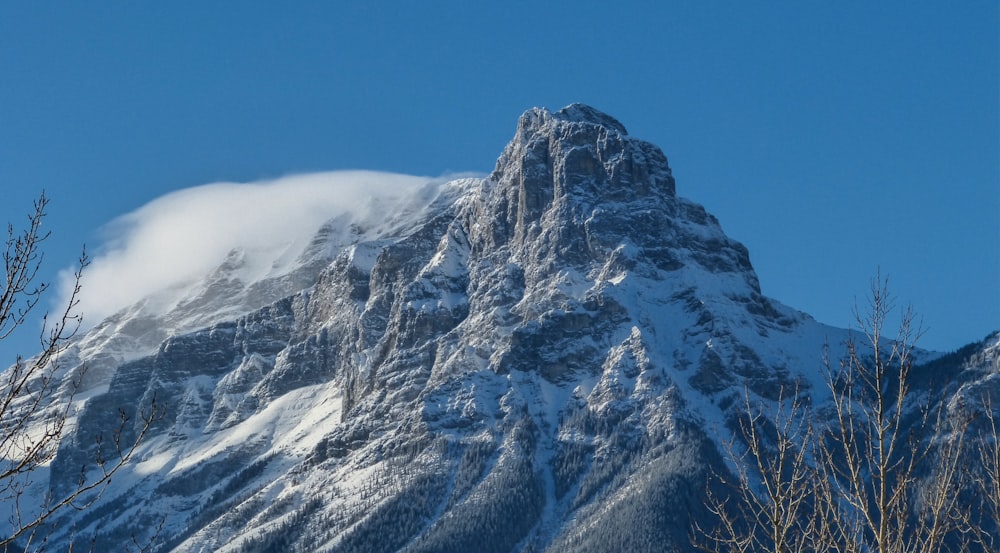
544 359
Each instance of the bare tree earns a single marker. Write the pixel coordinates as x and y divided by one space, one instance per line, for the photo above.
770 505
878 444
34 412
987 482
874 473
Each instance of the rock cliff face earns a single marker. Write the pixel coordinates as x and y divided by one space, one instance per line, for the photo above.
543 360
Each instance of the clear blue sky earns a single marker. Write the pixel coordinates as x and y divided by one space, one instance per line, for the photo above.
829 137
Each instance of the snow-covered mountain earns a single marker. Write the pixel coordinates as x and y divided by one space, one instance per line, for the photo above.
544 359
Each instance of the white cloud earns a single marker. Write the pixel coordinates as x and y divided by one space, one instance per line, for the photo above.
184 235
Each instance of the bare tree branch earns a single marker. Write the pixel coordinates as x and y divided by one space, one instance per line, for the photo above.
771 506
35 406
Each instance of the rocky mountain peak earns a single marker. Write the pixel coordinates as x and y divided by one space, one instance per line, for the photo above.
562 177
578 149
582 113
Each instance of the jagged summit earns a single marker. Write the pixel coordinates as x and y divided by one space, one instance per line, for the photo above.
582 113
580 148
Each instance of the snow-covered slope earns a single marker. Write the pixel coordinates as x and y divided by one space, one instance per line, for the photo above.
246 280
544 359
